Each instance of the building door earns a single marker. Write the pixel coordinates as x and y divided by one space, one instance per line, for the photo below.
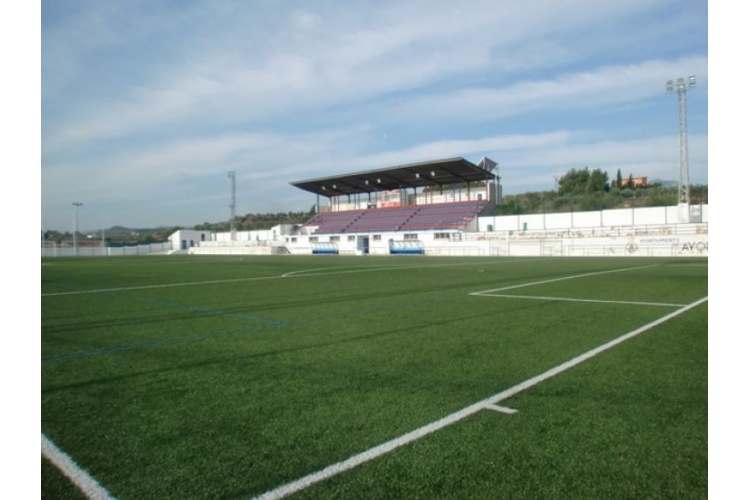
363 244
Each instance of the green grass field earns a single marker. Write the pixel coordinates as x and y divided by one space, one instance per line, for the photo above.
226 377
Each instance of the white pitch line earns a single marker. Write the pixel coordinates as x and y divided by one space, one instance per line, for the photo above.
567 299
302 271
87 484
166 285
502 409
352 270
377 451
285 275
522 285
316 272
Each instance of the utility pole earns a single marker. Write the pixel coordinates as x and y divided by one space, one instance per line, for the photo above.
232 206
75 227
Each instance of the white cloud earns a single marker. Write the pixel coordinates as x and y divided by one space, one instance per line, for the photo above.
598 87
331 60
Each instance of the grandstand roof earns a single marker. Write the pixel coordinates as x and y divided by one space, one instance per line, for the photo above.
412 175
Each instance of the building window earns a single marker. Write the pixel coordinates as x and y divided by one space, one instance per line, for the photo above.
375 237
351 237
313 239
411 236
442 236
335 238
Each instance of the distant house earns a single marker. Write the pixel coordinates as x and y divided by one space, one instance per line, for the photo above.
637 182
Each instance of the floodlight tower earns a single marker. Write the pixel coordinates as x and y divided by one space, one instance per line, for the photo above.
681 86
489 166
232 175
75 226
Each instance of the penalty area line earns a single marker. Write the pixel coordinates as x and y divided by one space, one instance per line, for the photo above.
491 403
553 280
79 477
568 299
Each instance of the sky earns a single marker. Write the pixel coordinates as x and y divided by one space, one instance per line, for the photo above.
147 105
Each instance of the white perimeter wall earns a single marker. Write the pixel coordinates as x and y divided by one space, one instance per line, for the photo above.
643 241
146 249
625 232
604 218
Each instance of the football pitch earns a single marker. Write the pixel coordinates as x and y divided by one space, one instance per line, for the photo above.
412 377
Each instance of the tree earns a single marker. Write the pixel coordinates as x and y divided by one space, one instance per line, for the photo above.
574 181
584 181
598 182
619 178
510 206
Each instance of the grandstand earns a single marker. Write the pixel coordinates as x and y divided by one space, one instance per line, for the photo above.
439 197
446 194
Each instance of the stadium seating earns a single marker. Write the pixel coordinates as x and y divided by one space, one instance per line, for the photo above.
383 219
442 216
334 222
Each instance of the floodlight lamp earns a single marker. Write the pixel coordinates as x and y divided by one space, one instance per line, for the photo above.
670 86
334 186
378 181
432 173
367 183
416 175
691 82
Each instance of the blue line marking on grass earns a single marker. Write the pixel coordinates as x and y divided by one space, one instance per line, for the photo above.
265 323
271 325
199 309
152 343
124 295
265 326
